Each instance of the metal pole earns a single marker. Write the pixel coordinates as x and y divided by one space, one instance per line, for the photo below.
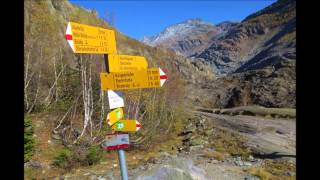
121 156
123 166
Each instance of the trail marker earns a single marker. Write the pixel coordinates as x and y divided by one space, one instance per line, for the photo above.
120 63
115 99
149 78
116 141
114 116
126 126
89 39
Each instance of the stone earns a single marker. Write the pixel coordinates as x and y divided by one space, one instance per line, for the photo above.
195 148
251 177
247 164
34 164
239 163
55 136
251 158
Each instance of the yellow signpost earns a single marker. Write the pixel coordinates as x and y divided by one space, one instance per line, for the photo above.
120 63
126 126
114 116
89 39
149 78
123 72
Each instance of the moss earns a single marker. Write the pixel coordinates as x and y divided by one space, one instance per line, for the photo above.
29 142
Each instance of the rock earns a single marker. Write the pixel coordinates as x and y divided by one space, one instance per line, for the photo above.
34 164
247 164
251 177
239 163
289 173
195 148
251 158
176 169
55 136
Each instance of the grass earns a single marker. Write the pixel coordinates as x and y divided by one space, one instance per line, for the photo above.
214 154
259 111
224 141
274 169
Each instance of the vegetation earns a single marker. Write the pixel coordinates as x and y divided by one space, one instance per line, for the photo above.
258 111
77 156
29 142
274 169
66 87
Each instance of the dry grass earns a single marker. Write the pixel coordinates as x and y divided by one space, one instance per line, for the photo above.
274 169
259 111
214 154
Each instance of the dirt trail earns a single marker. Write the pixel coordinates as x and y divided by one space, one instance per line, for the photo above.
269 138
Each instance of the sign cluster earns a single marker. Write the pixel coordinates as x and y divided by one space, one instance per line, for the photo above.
124 72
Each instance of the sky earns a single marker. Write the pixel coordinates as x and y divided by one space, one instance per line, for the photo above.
146 18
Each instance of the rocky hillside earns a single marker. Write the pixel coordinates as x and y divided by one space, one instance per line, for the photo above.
262 39
189 37
254 61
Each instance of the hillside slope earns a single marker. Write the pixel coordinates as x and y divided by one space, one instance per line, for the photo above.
189 37
260 40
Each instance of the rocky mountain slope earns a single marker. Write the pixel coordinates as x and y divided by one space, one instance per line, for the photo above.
254 61
261 39
188 37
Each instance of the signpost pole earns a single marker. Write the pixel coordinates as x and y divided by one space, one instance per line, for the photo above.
121 155
123 166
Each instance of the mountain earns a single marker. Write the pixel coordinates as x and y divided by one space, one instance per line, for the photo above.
188 37
255 61
262 39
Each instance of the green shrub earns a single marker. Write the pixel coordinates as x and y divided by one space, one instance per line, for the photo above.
28 139
78 156
63 159
94 155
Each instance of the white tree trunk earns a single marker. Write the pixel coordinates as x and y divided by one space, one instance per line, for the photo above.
87 96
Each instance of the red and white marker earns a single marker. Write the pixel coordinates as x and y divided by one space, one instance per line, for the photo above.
68 36
163 77
138 126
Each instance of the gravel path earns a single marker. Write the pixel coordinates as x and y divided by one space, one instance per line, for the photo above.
267 137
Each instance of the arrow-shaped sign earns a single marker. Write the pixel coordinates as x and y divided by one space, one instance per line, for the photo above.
149 78
120 63
126 125
114 116
89 39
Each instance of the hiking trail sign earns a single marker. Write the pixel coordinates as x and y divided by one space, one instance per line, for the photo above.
114 116
121 63
148 78
89 39
123 72
115 99
116 141
126 125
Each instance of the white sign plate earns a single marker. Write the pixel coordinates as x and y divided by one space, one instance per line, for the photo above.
116 141
115 99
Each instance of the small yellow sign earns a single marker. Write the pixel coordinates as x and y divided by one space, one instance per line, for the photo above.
120 63
114 116
148 78
126 126
89 39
